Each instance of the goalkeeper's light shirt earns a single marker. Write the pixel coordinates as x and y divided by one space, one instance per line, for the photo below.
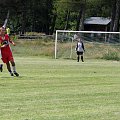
80 47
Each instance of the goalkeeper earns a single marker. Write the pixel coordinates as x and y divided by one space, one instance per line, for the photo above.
80 50
6 52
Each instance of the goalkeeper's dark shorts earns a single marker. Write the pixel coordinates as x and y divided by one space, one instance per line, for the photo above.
79 53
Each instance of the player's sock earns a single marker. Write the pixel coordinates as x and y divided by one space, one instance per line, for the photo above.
1 67
78 59
11 73
14 68
14 71
82 58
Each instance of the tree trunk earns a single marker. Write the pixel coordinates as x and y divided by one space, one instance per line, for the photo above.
117 16
23 23
78 19
113 12
67 20
53 24
81 27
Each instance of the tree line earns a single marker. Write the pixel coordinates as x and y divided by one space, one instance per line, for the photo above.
48 15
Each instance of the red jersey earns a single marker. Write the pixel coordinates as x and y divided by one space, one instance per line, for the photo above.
6 52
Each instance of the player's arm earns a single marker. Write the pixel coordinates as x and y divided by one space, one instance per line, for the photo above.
76 47
11 42
83 46
2 45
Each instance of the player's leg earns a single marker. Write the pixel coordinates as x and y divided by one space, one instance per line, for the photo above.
1 67
9 68
11 60
14 68
82 58
78 56
5 59
81 54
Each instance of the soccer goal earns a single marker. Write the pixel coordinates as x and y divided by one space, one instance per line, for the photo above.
96 43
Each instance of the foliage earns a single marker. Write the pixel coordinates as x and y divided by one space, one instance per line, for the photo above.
45 46
48 15
111 56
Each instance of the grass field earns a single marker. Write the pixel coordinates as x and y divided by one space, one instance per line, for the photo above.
49 89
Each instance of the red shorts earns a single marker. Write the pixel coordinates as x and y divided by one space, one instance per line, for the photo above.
7 57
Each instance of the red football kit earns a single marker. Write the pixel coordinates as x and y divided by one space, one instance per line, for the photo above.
6 53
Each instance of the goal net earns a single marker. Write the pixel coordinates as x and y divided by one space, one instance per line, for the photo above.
97 43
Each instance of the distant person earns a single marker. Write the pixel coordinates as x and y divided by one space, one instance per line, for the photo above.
75 36
80 50
15 37
1 67
8 31
6 52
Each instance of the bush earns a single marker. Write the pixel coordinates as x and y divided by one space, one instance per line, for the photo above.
111 56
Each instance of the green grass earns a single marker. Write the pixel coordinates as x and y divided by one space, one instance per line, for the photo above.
49 89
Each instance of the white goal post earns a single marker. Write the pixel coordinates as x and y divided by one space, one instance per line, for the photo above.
63 32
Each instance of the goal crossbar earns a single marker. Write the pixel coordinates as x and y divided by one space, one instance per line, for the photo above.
70 31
